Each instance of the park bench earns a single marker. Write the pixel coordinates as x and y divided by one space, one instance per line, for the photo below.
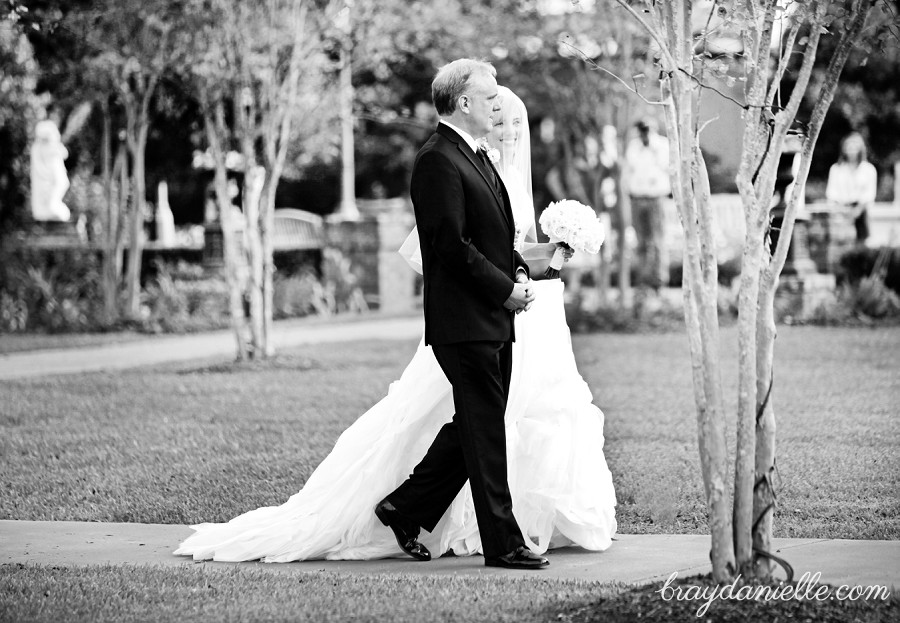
296 230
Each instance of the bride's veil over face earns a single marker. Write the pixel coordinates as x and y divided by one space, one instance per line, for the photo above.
512 137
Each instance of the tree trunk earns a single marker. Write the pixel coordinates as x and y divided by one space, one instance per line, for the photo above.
744 462
624 226
254 178
766 126
750 176
623 121
348 209
135 252
267 227
138 109
120 169
110 280
670 26
277 136
765 466
699 285
214 122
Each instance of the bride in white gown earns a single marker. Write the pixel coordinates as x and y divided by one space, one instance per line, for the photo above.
561 487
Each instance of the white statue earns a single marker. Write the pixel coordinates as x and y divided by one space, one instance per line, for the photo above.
165 221
49 180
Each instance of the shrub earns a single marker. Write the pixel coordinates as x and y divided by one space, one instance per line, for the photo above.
49 290
867 300
181 299
585 313
729 270
60 290
298 295
13 313
872 282
861 262
873 298
868 291
301 293
340 283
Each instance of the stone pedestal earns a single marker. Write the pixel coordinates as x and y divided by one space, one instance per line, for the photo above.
798 261
831 234
357 241
213 246
396 280
800 296
371 243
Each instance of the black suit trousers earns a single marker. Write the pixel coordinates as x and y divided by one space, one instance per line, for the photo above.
471 446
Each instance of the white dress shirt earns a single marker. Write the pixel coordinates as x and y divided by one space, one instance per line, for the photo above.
647 167
466 136
852 184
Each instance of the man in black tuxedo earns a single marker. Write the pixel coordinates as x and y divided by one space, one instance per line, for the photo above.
474 285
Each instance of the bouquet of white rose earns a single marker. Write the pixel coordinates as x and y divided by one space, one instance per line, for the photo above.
570 224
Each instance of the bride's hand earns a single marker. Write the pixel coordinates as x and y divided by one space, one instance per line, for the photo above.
549 248
568 251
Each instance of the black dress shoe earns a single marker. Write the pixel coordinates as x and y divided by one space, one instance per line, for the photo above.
519 558
404 530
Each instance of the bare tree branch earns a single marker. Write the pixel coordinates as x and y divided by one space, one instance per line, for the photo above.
784 118
860 10
589 61
783 61
660 41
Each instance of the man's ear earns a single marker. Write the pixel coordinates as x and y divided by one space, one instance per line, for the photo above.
463 103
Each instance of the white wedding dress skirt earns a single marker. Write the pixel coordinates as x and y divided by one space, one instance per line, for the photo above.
561 487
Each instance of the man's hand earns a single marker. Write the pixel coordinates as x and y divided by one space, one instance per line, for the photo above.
521 298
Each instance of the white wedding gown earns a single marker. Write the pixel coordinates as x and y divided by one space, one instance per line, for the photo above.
561 487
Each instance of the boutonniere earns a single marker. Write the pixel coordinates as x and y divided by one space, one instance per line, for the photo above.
492 153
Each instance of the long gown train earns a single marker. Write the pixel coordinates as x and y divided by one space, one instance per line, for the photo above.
561 487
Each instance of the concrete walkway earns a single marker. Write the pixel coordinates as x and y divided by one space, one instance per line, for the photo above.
217 344
631 559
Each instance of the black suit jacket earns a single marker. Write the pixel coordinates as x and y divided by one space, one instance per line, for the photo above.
466 231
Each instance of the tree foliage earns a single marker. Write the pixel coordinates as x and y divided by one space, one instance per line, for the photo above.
20 109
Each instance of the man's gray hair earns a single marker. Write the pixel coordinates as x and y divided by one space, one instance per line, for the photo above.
451 81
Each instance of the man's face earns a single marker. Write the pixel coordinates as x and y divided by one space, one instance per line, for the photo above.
481 102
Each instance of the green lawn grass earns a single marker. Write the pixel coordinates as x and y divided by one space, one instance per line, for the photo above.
209 593
187 444
124 594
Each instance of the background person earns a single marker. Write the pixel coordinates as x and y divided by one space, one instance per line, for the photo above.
852 183
645 177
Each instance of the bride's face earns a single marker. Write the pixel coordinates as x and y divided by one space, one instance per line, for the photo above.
506 128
